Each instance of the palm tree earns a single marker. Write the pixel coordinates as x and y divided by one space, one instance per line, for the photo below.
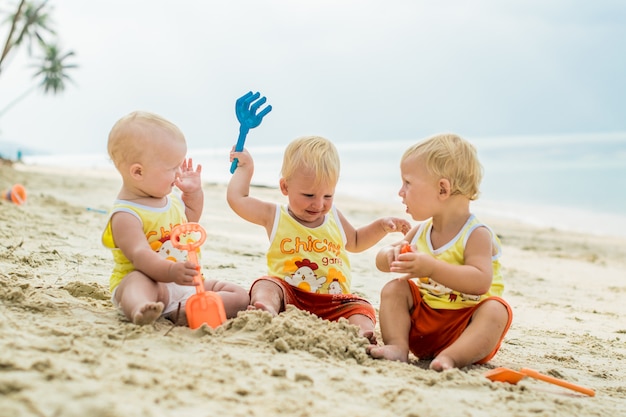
54 69
31 23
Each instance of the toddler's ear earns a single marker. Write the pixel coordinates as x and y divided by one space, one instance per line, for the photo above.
444 188
283 186
136 171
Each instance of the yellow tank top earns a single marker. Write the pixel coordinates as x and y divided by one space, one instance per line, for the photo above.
157 226
439 296
312 259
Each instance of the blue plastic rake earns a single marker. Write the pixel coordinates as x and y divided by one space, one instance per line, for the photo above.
246 108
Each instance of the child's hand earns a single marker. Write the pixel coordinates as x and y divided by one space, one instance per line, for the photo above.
182 273
244 159
394 224
189 181
390 254
393 251
411 263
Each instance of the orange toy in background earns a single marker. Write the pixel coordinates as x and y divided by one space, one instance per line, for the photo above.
204 306
17 194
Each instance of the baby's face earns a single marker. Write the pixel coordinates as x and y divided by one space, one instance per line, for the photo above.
162 164
308 202
419 189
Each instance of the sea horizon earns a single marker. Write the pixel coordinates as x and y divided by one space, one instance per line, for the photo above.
575 183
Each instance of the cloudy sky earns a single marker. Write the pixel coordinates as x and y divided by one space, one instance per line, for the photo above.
352 70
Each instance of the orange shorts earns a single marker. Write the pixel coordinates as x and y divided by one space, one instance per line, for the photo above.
433 330
326 306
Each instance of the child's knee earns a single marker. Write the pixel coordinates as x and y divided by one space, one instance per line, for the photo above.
395 288
498 310
494 312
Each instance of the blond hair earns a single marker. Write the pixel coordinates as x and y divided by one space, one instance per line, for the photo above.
132 136
451 157
313 153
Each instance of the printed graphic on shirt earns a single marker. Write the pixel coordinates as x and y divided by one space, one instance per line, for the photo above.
166 249
310 244
302 273
437 290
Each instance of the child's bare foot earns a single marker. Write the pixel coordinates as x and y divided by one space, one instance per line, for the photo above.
148 313
370 336
258 305
389 352
442 363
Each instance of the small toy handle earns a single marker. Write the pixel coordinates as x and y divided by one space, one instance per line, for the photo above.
183 229
190 247
243 131
546 378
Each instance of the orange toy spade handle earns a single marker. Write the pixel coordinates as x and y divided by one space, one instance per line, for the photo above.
534 374
183 229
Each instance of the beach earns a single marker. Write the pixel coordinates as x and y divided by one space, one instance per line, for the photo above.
66 351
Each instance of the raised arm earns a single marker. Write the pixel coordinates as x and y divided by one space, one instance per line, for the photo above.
238 193
367 236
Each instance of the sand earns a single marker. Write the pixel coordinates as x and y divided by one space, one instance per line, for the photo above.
65 351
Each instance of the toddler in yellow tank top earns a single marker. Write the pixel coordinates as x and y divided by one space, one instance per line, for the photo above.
446 306
308 266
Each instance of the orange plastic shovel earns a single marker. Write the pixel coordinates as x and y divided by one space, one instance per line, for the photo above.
513 377
204 306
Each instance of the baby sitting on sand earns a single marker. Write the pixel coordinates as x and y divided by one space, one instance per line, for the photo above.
150 278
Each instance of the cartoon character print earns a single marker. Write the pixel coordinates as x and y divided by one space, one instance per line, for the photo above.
334 287
437 290
337 282
166 249
304 277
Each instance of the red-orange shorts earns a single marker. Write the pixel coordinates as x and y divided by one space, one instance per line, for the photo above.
326 306
433 330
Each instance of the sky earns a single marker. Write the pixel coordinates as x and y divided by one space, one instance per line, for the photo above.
351 70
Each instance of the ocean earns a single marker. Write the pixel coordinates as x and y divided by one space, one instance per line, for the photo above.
569 182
